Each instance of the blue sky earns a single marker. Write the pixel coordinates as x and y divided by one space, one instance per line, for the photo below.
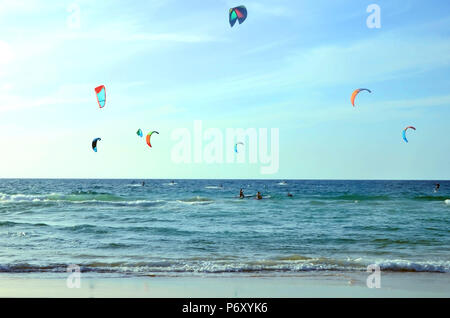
291 65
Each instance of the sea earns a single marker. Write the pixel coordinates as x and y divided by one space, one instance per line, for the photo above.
202 227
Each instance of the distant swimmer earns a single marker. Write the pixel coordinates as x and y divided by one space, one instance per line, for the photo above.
437 187
241 194
290 195
258 196
143 183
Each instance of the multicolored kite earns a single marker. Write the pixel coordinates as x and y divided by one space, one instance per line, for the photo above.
139 132
101 95
356 92
148 137
94 144
239 14
404 132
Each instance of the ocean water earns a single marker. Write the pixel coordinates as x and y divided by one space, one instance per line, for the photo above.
201 227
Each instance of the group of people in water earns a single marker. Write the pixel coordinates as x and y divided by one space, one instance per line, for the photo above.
258 195
290 195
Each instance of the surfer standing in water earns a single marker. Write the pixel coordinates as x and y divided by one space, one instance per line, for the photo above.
437 187
241 194
258 196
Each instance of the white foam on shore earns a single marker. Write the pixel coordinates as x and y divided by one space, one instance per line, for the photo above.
408 266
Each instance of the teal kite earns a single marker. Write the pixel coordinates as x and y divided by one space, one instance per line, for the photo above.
404 132
94 144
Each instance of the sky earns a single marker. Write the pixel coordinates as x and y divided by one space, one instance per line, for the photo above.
292 66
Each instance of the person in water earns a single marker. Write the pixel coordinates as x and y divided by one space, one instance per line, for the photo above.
258 196
437 187
290 195
241 194
143 183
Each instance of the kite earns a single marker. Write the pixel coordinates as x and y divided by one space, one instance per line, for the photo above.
94 144
239 14
236 146
101 95
139 132
356 92
404 132
148 137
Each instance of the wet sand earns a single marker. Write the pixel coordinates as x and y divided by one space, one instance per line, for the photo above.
321 285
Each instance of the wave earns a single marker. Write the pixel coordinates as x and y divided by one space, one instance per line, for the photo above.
74 196
359 197
431 198
5 198
12 224
407 266
294 257
321 200
196 200
290 264
115 246
78 197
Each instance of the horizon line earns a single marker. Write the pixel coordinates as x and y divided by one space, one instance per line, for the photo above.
271 179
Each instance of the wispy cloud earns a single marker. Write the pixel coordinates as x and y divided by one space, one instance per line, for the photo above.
120 36
15 103
8 6
269 9
6 53
365 61
431 101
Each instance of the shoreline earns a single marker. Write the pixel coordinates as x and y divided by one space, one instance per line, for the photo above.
336 285
220 179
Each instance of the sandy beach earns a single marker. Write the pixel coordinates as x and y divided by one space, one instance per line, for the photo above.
347 285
